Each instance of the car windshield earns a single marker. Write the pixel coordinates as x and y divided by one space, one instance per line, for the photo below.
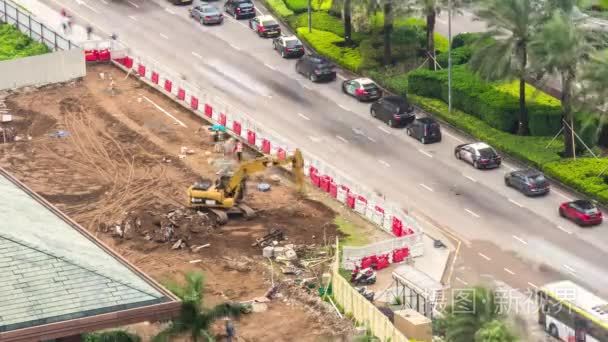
585 207
209 10
370 86
269 23
292 43
245 5
487 152
537 179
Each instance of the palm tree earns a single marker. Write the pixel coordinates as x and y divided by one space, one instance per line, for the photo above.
429 9
494 331
561 47
387 8
473 317
193 318
348 27
503 49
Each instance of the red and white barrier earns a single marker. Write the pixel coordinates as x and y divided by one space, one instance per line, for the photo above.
407 241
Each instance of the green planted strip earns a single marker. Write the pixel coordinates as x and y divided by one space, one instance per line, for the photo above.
14 44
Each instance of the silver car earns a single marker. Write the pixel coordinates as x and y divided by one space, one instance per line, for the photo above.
207 14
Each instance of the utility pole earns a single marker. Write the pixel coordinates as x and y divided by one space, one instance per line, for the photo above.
450 56
309 16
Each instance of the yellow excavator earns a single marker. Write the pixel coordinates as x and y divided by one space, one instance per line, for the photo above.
224 196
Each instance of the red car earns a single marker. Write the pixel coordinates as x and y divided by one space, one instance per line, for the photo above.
582 212
265 26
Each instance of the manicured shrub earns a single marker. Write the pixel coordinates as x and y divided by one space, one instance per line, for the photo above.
278 7
325 43
583 174
301 6
495 103
14 44
460 55
463 39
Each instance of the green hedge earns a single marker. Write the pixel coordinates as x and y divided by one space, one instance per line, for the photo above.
323 21
301 6
278 8
325 43
582 174
14 44
496 104
460 55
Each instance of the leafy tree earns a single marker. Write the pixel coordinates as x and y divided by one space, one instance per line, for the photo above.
348 25
503 50
429 9
562 47
111 336
474 316
194 318
387 8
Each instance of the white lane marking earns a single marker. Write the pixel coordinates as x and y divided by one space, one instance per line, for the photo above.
169 10
516 203
472 213
303 116
164 111
384 130
196 55
471 178
427 187
569 268
315 139
384 163
425 153
562 195
462 281
564 230
344 140
371 139
268 96
164 36
257 9
484 256
269 66
454 137
341 77
531 284
520 239
132 18
105 2
235 47
306 86
81 2
509 271
133 4
344 107
508 166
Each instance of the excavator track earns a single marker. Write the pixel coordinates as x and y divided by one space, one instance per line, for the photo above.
247 211
220 215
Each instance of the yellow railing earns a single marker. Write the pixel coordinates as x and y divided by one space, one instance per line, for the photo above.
362 310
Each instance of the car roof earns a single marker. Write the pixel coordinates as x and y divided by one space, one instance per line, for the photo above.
265 18
320 59
426 120
530 173
205 5
479 145
398 100
583 203
364 80
290 38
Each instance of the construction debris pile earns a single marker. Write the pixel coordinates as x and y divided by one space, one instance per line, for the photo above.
175 225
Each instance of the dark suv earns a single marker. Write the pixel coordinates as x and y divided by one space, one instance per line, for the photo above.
426 130
316 68
395 111
240 8
529 182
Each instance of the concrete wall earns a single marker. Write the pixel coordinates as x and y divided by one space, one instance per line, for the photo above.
49 68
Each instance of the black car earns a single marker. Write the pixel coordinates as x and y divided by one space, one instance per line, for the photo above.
427 130
316 68
395 111
363 89
240 8
529 182
480 155
288 46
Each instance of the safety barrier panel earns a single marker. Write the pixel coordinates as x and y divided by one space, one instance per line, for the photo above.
385 215
363 311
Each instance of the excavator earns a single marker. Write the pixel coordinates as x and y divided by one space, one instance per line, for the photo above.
223 197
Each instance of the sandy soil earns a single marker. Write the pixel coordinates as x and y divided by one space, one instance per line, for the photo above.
119 163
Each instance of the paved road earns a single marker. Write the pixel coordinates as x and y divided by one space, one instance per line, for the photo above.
505 234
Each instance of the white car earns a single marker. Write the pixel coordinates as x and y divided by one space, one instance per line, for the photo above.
479 154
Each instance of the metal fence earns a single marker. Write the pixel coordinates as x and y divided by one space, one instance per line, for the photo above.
11 14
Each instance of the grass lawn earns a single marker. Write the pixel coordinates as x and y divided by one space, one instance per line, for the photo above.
353 234
14 44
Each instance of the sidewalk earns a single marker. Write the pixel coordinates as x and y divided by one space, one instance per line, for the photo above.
52 19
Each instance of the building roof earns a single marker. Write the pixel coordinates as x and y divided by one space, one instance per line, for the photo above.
53 271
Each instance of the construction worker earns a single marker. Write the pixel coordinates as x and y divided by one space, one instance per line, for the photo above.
229 330
89 32
239 150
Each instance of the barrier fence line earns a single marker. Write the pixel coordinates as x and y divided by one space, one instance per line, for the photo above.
385 215
11 14
364 311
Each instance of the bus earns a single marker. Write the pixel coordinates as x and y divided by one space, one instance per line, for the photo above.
571 313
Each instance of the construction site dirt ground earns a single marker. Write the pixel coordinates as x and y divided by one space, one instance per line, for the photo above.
119 163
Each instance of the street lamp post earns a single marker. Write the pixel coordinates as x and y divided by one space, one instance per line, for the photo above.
449 56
